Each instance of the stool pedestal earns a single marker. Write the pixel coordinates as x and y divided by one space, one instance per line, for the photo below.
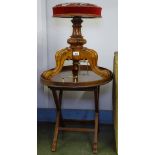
76 52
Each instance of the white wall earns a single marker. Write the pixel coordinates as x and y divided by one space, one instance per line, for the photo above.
101 35
42 98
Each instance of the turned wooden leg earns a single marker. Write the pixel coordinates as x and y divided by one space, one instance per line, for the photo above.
96 94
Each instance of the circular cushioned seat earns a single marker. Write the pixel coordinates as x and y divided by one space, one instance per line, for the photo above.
69 10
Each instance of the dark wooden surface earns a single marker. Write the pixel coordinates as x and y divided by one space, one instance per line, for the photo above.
86 78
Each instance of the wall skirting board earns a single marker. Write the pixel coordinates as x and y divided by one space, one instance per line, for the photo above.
48 115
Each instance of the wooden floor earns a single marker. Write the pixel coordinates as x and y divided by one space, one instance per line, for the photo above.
75 143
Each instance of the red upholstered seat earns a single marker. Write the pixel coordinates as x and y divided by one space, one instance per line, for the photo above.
84 10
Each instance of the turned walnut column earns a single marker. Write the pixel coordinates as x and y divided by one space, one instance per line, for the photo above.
76 42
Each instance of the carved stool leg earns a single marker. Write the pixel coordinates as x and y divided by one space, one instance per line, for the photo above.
96 94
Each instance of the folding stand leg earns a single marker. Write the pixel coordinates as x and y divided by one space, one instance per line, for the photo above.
98 102
58 117
60 101
96 94
54 144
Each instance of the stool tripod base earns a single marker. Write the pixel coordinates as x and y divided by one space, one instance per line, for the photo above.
84 54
